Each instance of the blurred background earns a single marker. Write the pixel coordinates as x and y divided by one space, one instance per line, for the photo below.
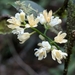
19 59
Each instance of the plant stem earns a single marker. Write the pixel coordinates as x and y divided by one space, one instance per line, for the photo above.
67 60
49 40
70 38
45 31
62 9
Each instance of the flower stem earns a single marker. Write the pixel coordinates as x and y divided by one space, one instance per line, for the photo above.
32 32
46 37
45 31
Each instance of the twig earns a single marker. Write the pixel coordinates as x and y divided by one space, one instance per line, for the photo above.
62 9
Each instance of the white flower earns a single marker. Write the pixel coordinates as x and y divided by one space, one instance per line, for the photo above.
23 37
18 31
45 45
43 50
54 21
32 22
20 16
41 18
14 23
40 53
58 54
45 17
60 38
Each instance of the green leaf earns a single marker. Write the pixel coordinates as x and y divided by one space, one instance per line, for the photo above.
3 27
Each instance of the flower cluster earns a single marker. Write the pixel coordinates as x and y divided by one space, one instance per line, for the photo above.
21 22
45 48
16 23
48 19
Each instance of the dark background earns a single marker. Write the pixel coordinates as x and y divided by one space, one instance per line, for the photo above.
19 59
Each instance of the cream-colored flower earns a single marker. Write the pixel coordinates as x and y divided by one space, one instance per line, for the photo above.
58 54
14 23
18 31
32 22
60 38
54 21
43 50
40 53
23 37
47 16
20 16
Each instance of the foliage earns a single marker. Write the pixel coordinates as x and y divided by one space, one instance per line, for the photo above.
3 27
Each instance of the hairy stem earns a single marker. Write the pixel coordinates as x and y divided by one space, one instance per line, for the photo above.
67 60
70 28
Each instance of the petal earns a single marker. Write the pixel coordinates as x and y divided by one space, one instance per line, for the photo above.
31 17
46 45
53 55
63 35
54 21
22 41
45 13
59 33
23 37
18 31
59 21
12 26
41 19
64 55
45 54
22 16
40 57
59 61
50 14
64 41
34 25
27 26
17 16
58 55
36 53
36 20
36 49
